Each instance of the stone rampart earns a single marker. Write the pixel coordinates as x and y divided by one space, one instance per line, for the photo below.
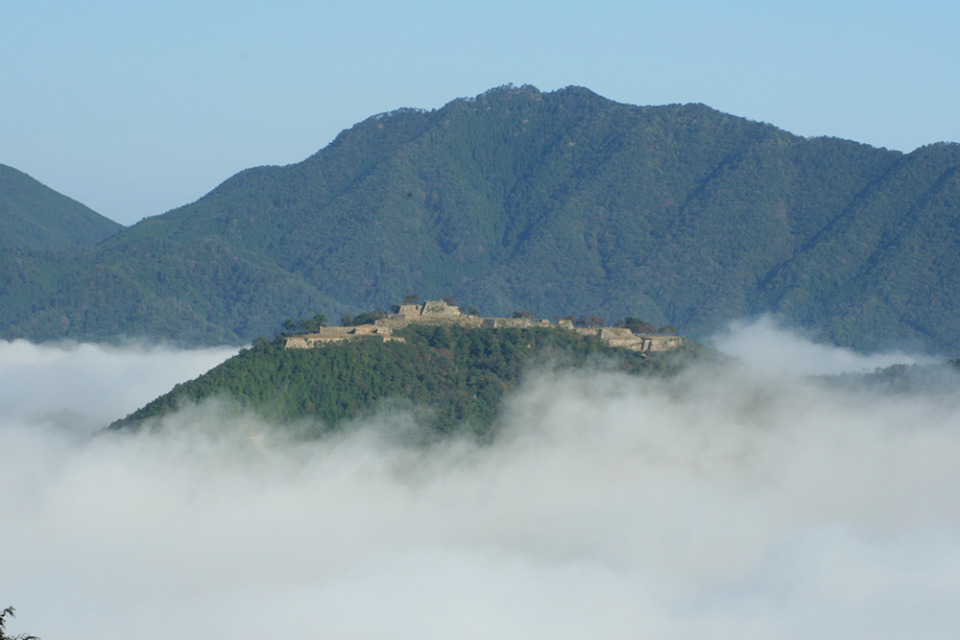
664 343
431 312
327 335
513 323
623 338
438 313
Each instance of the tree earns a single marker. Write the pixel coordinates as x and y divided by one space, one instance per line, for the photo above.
10 611
590 321
367 317
413 298
529 315
668 330
636 325
642 328
311 325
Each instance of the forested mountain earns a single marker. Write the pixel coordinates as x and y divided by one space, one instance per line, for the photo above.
450 378
560 202
35 217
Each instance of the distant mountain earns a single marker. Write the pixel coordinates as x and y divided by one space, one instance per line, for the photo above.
35 217
560 202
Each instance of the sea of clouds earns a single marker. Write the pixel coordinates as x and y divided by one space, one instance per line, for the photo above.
737 501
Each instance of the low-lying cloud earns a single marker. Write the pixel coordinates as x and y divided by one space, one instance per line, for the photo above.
85 386
766 346
727 503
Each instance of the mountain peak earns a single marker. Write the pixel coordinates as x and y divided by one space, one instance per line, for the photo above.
558 202
34 216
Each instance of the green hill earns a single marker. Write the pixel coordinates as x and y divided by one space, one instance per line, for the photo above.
560 202
453 379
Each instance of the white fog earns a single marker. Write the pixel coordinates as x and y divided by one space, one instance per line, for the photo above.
738 503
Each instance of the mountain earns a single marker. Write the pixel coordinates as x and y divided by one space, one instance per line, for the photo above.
450 378
35 217
550 202
45 237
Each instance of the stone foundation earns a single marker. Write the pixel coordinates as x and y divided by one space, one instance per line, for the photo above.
439 313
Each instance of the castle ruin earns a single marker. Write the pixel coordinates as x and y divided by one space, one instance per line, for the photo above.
438 313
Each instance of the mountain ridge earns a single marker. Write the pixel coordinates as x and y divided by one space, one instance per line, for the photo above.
35 217
517 199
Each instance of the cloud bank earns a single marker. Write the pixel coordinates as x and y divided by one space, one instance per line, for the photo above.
728 503
86 386
764 345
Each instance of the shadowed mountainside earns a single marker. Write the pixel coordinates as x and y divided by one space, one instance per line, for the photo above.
550 202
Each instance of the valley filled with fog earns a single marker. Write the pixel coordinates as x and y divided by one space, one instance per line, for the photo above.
744 500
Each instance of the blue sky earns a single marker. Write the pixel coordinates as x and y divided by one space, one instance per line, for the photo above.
136 108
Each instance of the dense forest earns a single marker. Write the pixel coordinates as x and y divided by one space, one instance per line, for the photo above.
35 217
560 202
449 378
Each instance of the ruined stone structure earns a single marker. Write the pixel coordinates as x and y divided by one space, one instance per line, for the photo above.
438 312
326 335
626 339
514 323
431 312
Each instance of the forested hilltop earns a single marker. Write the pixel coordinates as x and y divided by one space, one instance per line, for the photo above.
560 202
450 378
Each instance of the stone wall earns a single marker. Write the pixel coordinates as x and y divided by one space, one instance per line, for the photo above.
664 343
513 323
625 339
431 312
438 312
327 335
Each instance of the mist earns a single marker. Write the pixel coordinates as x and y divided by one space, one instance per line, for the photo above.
765 345
727 503
85 386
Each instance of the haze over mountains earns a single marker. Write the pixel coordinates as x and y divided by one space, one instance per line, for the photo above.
558 203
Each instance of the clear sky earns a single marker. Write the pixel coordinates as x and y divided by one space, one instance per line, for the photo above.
136 108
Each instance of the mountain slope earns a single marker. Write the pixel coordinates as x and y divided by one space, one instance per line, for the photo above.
36 217
554 202
888 265
452 378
